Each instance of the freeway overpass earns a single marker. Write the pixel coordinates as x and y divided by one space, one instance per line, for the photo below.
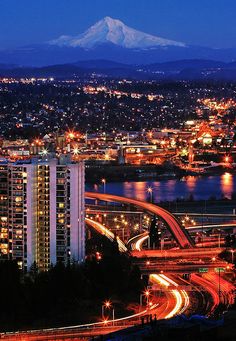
186 267
179 233
178 253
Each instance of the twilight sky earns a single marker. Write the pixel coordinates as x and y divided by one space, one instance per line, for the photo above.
198 22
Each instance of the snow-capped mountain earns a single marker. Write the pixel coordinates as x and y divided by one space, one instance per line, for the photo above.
114 31
110 39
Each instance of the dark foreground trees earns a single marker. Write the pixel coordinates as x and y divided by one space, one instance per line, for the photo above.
65 294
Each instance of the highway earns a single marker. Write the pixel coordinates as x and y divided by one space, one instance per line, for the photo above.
211 226
208 287
177 300
105 231
196 253
186 267
83 331
137 241
179 233
223 286
136 245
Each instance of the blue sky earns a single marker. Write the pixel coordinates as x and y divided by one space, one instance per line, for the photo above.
198 22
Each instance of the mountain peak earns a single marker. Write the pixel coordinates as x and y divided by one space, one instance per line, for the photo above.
109 30
110 20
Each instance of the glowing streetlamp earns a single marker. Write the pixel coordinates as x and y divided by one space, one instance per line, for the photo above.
226 159
108 305
147 295
150 191
75 151
45 152
104 185
232 253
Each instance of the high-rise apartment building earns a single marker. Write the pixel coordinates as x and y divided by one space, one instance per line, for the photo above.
42 212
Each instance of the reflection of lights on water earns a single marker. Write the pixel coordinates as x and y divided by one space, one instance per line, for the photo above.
227 184
191 182
171 184
227 177
170 189
137 190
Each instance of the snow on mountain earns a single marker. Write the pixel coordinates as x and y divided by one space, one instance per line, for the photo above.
113 31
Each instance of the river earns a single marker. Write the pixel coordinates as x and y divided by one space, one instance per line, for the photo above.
200 187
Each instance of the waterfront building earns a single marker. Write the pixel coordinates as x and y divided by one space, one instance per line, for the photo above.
42 212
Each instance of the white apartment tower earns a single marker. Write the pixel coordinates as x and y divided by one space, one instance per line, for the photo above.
42 212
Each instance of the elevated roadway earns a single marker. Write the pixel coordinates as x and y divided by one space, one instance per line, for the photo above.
178 232
186 267
106 232
178 253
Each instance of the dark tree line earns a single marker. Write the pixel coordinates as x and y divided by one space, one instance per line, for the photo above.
66 294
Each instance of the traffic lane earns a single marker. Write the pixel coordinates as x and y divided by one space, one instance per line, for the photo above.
208 287
226 288
174 253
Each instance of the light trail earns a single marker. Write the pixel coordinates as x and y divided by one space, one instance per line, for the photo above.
105 231
186 301
205 303
182 292
208 226
178 305
159 279
179 233
80 326
226 288
169 280
180 296
209 287
139 243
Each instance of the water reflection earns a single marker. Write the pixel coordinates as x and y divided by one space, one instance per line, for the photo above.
227 185
191 182
136 189
201 187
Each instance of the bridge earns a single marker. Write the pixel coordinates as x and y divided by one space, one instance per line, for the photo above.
185 267
178 232
195 253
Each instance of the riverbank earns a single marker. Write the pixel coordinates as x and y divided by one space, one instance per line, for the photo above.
210 206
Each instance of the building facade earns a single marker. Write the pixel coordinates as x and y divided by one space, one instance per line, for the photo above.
42 212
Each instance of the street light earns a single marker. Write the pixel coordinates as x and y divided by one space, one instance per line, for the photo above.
45 152
108 305
104 185
120 223
150 191
232 253
146 293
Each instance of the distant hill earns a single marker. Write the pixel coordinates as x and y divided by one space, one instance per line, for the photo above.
175 70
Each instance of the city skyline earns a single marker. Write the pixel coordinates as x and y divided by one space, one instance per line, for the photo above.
117 169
